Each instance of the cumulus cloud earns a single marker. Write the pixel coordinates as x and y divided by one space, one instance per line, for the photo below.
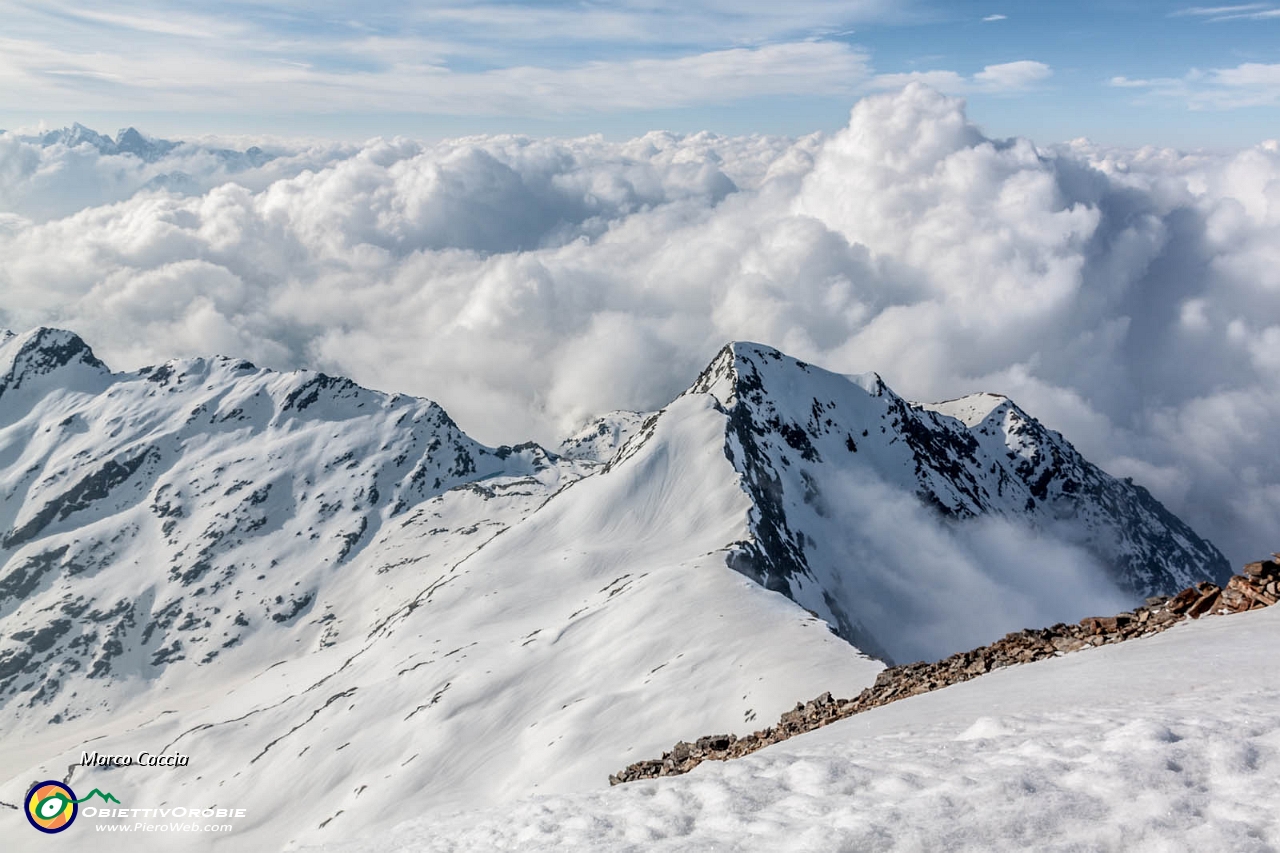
1129 298
48 182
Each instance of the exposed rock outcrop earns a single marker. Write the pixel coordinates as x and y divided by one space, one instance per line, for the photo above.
1258 586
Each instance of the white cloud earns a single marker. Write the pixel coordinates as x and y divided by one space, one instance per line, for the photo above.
44 183
1250 84
1214 11
1129 298
1240 12
1005 77
973 582
1012 75
460 58
410 79
696 22
989 18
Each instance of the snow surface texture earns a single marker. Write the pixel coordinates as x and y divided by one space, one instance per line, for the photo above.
1166 743
1126 297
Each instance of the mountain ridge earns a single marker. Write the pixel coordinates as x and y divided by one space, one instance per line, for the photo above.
799 434
129 141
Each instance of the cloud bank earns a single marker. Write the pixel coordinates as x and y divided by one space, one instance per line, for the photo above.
968 585
1129 298
1250 84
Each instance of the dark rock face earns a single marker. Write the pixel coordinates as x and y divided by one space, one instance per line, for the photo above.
1153 552
82 495
1257 587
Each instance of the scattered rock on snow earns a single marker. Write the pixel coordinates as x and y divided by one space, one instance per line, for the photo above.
1257 587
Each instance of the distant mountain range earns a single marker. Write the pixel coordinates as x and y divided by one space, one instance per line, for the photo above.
129 141
305 584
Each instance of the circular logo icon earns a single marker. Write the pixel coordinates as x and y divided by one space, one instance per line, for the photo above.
51 807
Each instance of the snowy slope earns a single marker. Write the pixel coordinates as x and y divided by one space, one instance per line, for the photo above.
519 631
1167 743
919 533
170 516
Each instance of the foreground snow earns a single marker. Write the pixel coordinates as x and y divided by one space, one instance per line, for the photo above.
1168 743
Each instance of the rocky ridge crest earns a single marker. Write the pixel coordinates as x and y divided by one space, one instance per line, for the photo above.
1257 587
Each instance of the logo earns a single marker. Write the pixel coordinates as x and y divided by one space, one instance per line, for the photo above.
52 806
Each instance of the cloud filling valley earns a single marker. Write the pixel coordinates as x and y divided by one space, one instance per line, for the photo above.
1128 298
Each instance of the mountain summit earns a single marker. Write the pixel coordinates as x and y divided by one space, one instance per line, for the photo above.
127 141
130 141
806 440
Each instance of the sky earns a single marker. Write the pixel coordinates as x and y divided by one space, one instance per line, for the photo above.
1127 73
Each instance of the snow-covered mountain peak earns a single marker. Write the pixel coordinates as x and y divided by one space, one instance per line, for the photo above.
823 455
745 368
720 377
211 472
29 362
287 565
973 409
153 151
127 141
41 350
601 438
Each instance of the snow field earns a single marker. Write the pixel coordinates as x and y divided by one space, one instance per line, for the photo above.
1165 744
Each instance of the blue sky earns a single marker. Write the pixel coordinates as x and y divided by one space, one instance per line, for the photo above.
1118 72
